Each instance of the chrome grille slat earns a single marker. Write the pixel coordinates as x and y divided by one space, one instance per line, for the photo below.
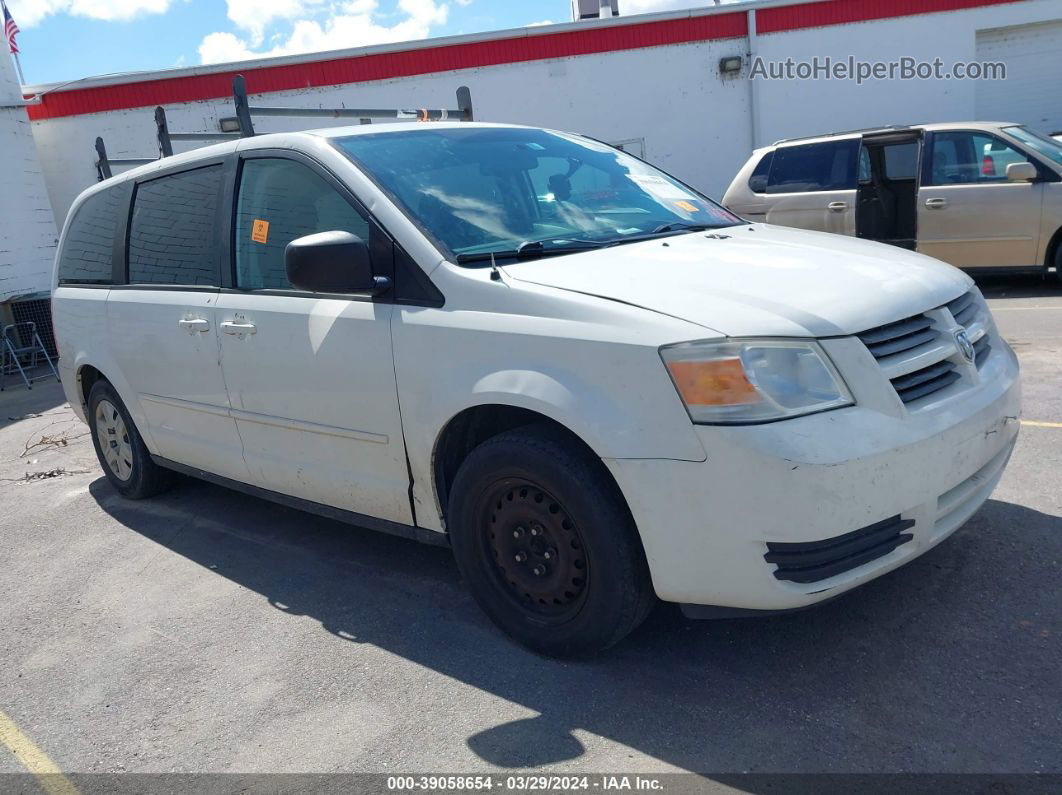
963 308
981 350
926 388
922 376
904 335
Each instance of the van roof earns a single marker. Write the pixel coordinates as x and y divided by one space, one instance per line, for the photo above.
285 139
942 125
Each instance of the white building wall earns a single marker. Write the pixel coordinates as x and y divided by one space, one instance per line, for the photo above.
812 107
694 123
27 223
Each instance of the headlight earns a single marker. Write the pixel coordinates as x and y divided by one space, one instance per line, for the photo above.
745 381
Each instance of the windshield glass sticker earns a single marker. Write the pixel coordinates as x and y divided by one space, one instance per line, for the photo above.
661 188
260 231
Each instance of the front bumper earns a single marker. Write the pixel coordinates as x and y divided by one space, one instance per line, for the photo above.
706 526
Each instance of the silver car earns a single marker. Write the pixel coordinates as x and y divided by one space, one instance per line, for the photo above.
979 195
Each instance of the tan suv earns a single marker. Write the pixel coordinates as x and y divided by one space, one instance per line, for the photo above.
980 195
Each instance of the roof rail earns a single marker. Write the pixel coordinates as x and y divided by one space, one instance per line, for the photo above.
245 112
882 128
104 163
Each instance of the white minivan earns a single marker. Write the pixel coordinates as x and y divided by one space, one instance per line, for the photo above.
596 385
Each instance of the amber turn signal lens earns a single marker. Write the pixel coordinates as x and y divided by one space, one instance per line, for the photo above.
716 382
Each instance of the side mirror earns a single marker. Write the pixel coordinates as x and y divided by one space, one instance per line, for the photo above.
1021 172
332 262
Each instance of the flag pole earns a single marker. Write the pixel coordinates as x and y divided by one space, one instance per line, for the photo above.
18 66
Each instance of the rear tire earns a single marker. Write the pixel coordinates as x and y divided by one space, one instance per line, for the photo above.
547 545
124 458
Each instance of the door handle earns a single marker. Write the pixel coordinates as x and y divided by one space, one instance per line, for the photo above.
193 324
936 204
238 329
837 207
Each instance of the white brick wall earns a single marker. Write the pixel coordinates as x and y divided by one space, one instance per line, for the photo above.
27 222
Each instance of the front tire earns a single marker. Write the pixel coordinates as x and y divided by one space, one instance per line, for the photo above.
124 458
547 545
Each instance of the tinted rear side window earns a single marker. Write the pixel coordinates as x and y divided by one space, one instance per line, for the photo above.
814 167
758 178
172 233
88 248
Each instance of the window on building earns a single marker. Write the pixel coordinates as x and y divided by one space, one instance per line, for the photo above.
279 201
814 167
172 234
87 254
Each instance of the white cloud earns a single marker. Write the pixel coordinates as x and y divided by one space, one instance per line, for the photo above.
540 24
355 23
28 13
255 16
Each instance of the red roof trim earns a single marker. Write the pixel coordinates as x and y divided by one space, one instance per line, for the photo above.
841 12
428 60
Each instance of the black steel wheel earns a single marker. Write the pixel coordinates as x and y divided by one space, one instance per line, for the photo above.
537 551
546 543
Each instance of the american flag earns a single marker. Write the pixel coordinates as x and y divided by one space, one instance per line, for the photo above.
10 29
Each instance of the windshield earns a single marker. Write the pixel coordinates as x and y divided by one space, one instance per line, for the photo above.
512 191
1048 147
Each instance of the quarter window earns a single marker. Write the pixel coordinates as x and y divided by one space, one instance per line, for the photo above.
279 201
88 248
965 158
758 178
172 234
814 167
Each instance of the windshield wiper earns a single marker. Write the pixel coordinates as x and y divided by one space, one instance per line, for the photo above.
531 249
681 226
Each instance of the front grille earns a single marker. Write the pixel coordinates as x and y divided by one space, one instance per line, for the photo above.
918 358
812 561
981 349
963 308
926 381
903 335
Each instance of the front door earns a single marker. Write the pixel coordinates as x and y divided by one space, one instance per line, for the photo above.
161 323
968 213
310 377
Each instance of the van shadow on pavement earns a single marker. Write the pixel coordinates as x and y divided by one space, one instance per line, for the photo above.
949 664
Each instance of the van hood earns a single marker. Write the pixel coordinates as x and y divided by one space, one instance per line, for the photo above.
758 280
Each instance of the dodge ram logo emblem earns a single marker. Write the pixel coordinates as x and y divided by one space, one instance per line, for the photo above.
966 347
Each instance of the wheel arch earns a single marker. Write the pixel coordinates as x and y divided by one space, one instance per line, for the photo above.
473 425
1051 254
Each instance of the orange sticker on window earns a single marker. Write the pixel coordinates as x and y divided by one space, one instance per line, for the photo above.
685 205
260 231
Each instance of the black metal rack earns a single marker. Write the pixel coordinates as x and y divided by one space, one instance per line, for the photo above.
245 113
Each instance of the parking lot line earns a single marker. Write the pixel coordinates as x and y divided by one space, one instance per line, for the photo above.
1039 424
49 777
1022 308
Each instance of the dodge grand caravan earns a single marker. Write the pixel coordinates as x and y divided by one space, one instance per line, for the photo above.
979 195
595 384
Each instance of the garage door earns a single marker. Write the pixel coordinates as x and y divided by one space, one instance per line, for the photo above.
1031 93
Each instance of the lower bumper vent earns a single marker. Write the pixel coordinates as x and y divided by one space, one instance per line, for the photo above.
811 561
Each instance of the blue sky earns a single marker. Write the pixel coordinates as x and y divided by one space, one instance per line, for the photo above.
64 40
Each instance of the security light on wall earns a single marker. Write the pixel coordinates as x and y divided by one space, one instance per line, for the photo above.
730 65
229 124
